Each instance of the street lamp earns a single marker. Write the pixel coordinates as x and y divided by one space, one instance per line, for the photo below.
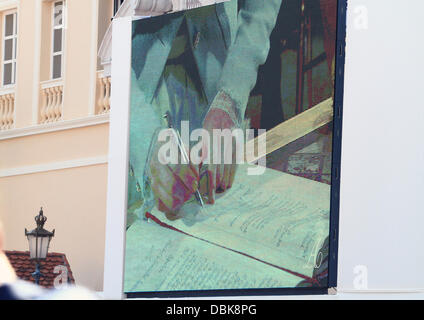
38 240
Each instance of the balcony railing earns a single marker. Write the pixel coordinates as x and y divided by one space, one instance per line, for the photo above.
7 109
103 93
51 101
50 107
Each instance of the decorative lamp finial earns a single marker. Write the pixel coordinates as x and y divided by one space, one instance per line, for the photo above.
40 219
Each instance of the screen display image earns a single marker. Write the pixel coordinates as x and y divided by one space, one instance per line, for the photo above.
231 147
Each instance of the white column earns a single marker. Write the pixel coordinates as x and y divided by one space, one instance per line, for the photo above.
37 55
113 285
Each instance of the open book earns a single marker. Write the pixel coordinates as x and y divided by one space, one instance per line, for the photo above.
267 230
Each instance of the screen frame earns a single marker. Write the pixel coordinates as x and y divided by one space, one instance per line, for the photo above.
113 279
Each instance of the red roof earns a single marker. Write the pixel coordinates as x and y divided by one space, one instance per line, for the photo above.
24 267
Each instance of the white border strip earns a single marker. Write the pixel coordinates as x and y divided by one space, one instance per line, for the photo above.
383 291
113 285
54 126
68 164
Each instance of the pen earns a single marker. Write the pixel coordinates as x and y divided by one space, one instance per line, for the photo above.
167 116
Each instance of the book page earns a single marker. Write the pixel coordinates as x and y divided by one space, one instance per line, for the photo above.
275 217
160 259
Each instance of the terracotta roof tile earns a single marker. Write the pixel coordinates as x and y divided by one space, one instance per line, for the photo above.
24 267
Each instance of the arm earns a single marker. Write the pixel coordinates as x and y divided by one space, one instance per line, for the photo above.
256 20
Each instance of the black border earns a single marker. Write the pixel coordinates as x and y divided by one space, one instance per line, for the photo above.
335 195
337 142
228 293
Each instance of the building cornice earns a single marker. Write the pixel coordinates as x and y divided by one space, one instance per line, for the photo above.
54 126
8 4
53 166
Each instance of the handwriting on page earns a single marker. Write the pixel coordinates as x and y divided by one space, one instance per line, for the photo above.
160 259
278 218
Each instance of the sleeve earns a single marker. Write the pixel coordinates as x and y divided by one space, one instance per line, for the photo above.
256 20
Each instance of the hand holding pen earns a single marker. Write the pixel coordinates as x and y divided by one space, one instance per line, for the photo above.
183 151
173 184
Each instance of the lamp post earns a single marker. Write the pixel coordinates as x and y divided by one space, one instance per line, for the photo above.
39 240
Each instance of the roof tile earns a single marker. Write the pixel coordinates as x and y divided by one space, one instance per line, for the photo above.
24 267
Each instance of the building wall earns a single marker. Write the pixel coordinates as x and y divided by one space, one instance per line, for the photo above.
74 202
60 164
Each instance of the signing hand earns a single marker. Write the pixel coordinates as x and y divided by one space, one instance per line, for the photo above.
220 174
173 183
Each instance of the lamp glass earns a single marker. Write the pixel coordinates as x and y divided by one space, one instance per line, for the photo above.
38 246
32 241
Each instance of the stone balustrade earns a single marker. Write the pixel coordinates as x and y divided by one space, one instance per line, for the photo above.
51 101
103 93
7 109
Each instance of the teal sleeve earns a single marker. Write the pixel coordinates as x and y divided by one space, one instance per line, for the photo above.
256 20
